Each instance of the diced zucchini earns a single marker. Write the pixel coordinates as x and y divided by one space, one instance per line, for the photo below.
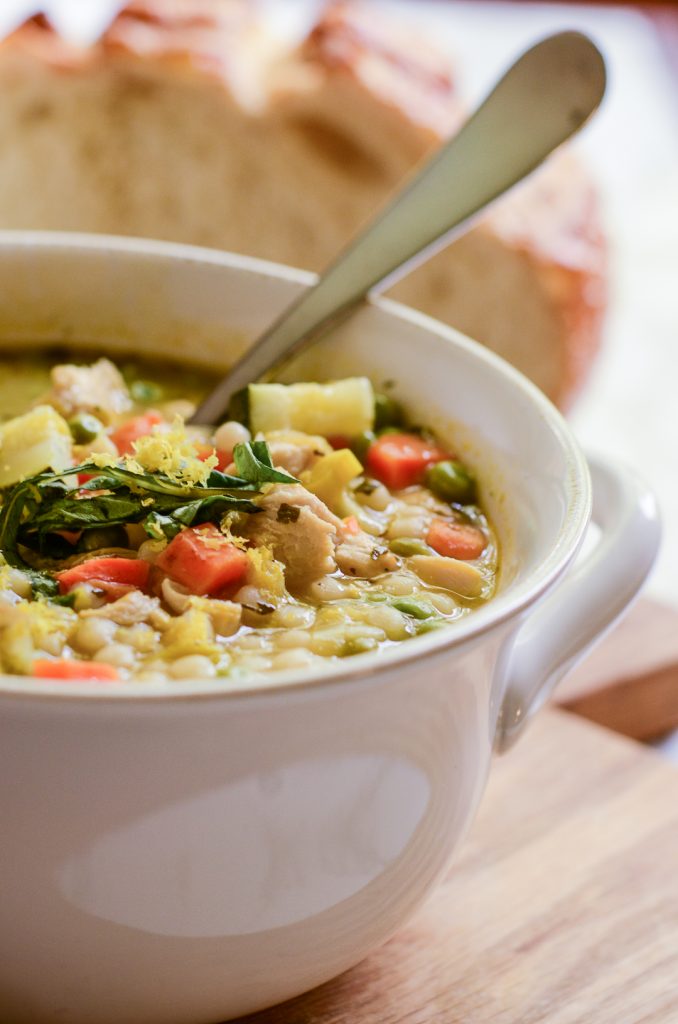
38 440
342 408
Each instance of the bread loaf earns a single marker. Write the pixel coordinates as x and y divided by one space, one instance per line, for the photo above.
189 121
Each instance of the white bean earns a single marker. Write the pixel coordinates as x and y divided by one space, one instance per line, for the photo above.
291 616
53 643
92 634
450 573
121 655
174 595
140 636
229 434
298 657
159 619
399 584
19 583
249 595
332 641
409 522
329 588
151 676
293 638
255 663
388 619
253 642
192 666
443 603
379 499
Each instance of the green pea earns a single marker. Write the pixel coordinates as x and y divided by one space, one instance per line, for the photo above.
411 606
84 427
103 537
451 481
387 412
361 443
145 391
406 546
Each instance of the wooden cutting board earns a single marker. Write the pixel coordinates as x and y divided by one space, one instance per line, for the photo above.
630 681
561 907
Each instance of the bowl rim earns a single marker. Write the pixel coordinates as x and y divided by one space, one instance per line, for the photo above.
497 612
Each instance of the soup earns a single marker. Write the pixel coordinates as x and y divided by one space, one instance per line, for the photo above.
316 523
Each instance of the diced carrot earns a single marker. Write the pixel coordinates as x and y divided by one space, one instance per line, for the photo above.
399 460
351 525
63 668
224 459
132 572
72 536
139 426
339 441
203 561
456 540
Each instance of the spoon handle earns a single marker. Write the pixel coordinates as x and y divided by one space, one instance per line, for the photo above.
543 99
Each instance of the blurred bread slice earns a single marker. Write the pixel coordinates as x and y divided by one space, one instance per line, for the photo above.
188 120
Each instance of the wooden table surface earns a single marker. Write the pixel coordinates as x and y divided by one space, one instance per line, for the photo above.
630 681
561 906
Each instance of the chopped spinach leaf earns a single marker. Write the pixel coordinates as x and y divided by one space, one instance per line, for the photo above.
35 511
253 463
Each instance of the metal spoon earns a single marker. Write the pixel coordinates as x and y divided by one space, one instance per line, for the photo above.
543 99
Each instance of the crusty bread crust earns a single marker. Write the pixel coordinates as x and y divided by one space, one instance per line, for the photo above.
188 120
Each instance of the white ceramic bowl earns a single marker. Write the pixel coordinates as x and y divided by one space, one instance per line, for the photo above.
188 852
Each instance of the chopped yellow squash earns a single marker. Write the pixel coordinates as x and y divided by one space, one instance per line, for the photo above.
190 633
331 475
266 573
29 444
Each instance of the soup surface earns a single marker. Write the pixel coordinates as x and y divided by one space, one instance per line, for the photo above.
317 523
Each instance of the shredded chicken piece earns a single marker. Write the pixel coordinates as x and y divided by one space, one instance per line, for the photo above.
301 534
295 494
359 554
294 451
98 389
132 608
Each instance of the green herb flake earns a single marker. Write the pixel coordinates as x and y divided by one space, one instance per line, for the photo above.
366 487
261 608
288 513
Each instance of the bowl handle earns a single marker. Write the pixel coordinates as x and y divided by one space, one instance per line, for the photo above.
592 595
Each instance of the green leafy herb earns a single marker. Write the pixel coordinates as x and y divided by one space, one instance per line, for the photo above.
253 463
35 510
